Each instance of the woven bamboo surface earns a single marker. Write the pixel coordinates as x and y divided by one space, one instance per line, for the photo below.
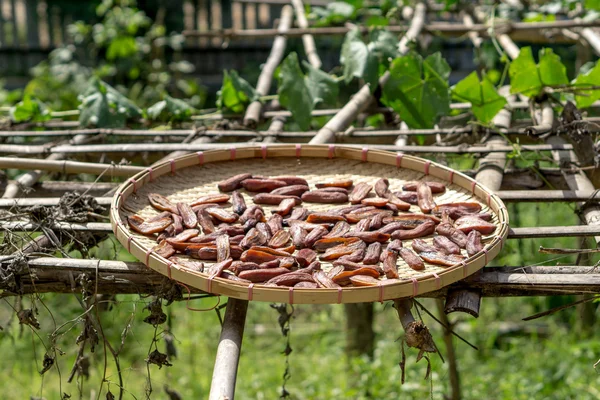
192 176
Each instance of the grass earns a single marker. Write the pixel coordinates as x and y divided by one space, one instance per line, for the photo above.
549 360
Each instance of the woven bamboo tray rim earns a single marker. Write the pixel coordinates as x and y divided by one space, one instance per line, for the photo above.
318 155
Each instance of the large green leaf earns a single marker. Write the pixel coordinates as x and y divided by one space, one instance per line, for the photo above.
29 109
485 100
552 71
418 89
523 74
104 107
585 98
236 93
294 93
529 79
383 44
357 60
300 94
170 110
323 87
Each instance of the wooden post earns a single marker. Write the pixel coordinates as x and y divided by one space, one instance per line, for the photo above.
228 353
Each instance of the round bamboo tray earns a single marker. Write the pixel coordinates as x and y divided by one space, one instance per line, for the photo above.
188 177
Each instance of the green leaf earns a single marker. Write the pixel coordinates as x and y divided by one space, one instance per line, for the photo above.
357 60
529 79
323 87
294 93
170 110
236 93
104 107
485 100
523 74
383 44
29 109
552 70
585 98
418 89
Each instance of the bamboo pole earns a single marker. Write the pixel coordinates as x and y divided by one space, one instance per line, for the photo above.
69 167
50 274
443 28
178 153
593 39
577 182
504 39
14 162
518 129
544 119
43 201
228 352
363 98
307 39
266 76
490 174
29 179
58 188
473 36
333 111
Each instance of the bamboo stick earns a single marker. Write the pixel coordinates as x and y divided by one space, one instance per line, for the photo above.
50 274
69 167
579 181
593 39
266 76
307 39
544 119
362 98
159 147
490 174
224 375
58 188
517 129
444 28
29 179
43 201
327 112
505 41
473 36
178 153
